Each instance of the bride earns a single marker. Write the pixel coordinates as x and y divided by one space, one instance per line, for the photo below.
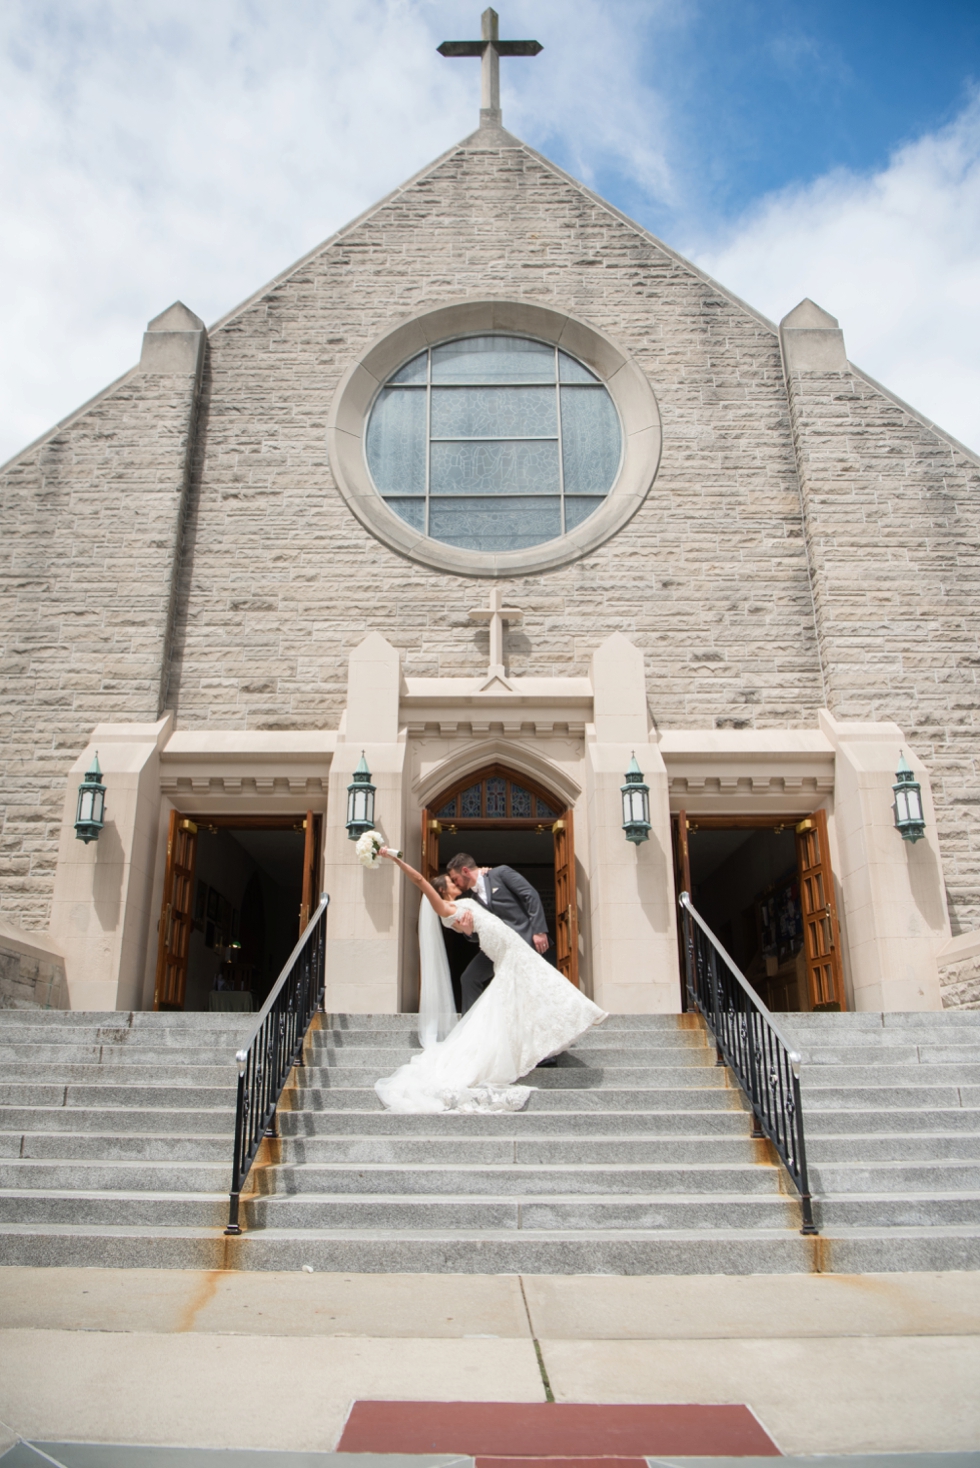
528 1012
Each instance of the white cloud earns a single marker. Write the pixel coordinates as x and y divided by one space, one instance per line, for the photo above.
174 149
894 255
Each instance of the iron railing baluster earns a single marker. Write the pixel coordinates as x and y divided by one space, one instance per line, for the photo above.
274 1046
748 1040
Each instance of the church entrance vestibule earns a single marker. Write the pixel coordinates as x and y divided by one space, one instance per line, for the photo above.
502 817
764 885
237 892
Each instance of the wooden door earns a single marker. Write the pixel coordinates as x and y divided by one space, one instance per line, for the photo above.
431 831
821 934
682 883
566 905
311 866
176 918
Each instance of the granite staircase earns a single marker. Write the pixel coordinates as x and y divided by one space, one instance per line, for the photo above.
634 1154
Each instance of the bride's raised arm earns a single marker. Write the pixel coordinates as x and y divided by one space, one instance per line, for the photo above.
442 907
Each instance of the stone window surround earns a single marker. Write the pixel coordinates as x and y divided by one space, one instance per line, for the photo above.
619 374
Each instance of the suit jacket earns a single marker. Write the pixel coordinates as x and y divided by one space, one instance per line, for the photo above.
514 900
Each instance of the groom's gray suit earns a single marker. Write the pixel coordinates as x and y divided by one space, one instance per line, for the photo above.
514 900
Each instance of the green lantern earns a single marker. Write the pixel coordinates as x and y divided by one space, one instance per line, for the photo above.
360 802
908 802
636 805
90 812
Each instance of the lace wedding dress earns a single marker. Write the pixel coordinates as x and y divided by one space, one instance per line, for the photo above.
527 1013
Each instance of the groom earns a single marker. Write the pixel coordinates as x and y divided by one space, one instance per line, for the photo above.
513 899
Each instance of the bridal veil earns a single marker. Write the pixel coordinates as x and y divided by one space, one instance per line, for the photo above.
437 1007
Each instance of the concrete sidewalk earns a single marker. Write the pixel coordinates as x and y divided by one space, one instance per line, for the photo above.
828 1363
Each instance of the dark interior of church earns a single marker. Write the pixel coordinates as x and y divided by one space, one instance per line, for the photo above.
532 853
745 885
247 895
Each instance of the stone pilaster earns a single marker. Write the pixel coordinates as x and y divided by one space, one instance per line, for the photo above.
634 934
364 924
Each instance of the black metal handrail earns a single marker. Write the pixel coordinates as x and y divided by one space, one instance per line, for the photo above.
749 1041
274 1047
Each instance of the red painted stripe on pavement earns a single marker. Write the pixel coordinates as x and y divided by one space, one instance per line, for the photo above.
561 1463
555 1429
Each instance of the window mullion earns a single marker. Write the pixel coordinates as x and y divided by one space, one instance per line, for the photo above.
428 434
561 463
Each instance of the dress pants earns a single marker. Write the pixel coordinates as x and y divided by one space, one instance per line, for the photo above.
474 979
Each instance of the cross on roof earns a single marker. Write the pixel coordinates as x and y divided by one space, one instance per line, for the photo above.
496 614
490 48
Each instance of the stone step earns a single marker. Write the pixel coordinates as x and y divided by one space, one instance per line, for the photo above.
517 1124
886 1075
581 1151
127 1019
178 1092
482 1251
101 1175
695 1098
865 1098
894 1120
885 1055
506 1180
383 1060
559 1211
642 1041
131 1071
80 1207
77 1062
117 1146
671 1022
125 1119
224 1042
567 1077
893 1147
897 1210
898 1176
874 1021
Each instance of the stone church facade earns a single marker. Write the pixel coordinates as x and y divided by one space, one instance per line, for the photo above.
777 598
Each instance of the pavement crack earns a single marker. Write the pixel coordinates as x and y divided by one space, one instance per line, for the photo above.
548 1393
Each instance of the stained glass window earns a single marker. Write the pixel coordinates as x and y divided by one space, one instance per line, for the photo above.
494 443
495 797
470 802
520 801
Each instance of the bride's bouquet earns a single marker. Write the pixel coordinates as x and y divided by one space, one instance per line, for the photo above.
369 846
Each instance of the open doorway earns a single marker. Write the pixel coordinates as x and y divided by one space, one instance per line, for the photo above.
501 817
237 893
765 888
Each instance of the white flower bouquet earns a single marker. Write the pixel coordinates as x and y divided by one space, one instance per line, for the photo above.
369 846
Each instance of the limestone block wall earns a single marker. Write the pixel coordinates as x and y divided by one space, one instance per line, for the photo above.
281 582
959 972
893 531
90 525
32 970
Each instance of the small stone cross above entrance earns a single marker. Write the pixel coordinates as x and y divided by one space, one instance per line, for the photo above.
496 614
490 48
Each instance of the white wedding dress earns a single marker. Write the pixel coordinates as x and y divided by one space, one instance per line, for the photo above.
527 1012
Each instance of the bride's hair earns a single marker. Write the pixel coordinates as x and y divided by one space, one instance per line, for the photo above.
441 884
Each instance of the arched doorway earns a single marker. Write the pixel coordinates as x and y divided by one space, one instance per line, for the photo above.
496 811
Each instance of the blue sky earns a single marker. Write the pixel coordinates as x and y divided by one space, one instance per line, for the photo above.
174 149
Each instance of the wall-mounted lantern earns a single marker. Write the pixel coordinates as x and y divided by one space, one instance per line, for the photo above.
636 805
90 812
908 802
360 802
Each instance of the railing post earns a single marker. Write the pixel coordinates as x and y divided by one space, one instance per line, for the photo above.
236 1180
